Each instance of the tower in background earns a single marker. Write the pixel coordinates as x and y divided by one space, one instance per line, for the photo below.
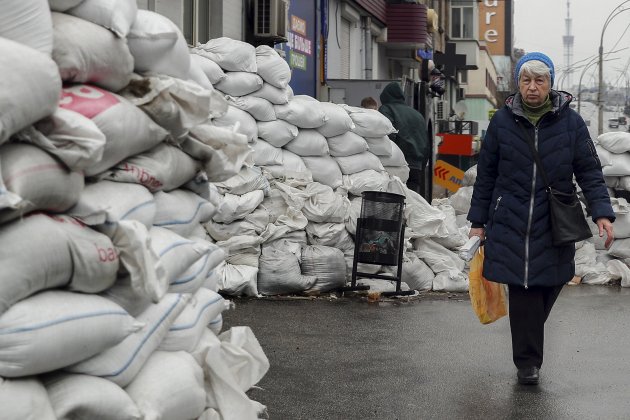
567 41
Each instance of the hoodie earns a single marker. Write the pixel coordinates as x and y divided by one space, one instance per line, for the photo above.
412 128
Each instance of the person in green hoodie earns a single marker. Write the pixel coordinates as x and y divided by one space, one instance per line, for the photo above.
412 135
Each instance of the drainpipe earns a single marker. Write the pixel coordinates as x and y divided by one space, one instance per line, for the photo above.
367 33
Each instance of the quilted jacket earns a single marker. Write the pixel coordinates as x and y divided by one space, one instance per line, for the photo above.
509 196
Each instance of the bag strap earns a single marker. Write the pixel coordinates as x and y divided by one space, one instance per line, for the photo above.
532 148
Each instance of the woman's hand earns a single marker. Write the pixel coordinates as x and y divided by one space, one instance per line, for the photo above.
603 224
481 232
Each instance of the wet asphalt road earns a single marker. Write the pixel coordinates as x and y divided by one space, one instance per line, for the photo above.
429 358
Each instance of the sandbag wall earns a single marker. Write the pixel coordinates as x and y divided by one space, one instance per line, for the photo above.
109 304
287 222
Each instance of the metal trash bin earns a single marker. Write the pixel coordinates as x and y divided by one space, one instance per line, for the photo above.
379 228
380 238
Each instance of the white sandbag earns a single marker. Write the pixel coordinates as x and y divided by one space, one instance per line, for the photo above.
40 180
234 207
224 231
122 362
359 162
124 212
213 72
88 397
396 159
65 254
63 5
619 165
194 277
421 218
189 326
401 172
27 22
68 135
273 94
415 272
88 53
623 183
247 180
620 271
470 176
169 386
615 141
604 155
354 212
460 200
176 254
175 104
325 170
308 142
347 144
158 46
326 264
279 273
216 325
455 237
230 54
244 355
368 180
445 263
271 67
369 122
239 121
286 246
115 15
128 131
124 293
239 83
222 152
380 146
266 154
620 248
54 329
163 168
274 204
324 205
277 133
197 75
25 398
292 167
223 390
241 245
302 113
339 121
181 211
330 234
237 280
31 76
259 108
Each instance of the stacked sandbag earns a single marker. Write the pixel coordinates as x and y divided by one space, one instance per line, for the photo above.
109 277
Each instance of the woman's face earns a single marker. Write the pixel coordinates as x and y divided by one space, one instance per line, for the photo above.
534 89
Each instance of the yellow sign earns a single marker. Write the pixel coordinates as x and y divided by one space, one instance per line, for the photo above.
491 113
447 176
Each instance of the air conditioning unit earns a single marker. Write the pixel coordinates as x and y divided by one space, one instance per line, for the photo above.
270 19
441 110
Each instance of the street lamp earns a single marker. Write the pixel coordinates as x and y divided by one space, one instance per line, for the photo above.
600 113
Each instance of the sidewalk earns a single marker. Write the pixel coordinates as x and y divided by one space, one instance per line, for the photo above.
429 358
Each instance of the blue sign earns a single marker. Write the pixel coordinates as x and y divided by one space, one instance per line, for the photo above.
301 48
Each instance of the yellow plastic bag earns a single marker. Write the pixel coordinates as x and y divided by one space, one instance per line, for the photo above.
487 297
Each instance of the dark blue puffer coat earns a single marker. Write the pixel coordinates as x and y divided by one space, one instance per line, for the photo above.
518 248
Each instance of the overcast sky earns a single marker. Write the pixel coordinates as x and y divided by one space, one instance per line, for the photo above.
539 25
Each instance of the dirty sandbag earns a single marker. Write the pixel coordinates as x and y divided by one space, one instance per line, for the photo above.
487 297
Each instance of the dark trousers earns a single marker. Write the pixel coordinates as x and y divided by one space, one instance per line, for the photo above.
529 309
416 181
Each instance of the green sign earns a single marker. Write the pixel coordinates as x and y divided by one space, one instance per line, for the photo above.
297 60
491 113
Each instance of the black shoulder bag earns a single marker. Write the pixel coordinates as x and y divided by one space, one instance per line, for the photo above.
568 224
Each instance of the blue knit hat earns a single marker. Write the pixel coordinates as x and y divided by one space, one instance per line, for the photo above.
534 56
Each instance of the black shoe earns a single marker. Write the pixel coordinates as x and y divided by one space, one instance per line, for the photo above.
528 375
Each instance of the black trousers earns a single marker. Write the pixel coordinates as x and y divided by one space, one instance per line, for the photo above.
529 309
416 181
